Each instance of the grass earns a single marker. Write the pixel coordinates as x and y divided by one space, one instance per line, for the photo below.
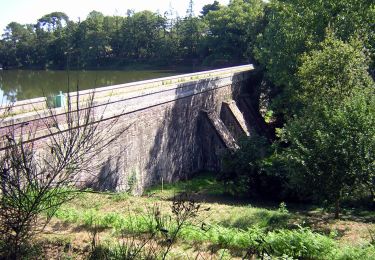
225 227
204 183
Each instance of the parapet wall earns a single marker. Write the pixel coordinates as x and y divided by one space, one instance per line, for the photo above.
168 126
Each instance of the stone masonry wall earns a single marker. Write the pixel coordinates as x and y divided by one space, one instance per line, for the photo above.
164 135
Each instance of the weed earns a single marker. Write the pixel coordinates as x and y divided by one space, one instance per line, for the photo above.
372 236
282 208
132 181
366 252
300 243
162 231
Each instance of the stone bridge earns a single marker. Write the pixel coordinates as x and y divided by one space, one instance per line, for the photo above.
172 127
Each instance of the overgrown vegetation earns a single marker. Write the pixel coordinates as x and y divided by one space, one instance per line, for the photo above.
213 224
244 171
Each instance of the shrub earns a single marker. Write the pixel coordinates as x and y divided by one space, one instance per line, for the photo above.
249 170
300 243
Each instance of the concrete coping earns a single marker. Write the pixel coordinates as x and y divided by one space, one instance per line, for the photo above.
174 79
32 108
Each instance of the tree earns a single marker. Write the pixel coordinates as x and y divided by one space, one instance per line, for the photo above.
332 149
189 32
233 29
215 6
37 178
332 140
53 21
18 41
332 73
52 41
96 40
294 27
141 35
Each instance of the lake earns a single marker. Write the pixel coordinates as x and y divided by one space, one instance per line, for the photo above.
25 84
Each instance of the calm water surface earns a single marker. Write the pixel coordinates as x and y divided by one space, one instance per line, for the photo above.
24 84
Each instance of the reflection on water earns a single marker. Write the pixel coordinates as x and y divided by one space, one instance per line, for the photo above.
24 84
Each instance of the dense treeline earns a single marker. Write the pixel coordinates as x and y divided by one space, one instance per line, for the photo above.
220 35
317 58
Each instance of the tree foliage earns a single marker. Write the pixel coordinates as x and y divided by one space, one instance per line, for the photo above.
233 29
247 171
210 7
295 27
332 149
332 140
317 56
332 73
221 34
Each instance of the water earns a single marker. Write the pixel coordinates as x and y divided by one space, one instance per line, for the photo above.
18 85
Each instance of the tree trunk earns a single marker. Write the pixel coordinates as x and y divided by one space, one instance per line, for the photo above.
337 208
372 192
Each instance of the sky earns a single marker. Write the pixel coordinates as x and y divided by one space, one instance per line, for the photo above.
29 11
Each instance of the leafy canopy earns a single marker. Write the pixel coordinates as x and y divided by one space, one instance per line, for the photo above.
332 140
294 27
332 73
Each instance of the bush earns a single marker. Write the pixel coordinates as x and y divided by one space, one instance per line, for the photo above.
251 170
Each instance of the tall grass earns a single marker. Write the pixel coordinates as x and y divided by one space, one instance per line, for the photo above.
300 243
237 230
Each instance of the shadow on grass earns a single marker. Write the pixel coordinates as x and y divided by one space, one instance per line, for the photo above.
263 218
204 183
316 215
205 188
